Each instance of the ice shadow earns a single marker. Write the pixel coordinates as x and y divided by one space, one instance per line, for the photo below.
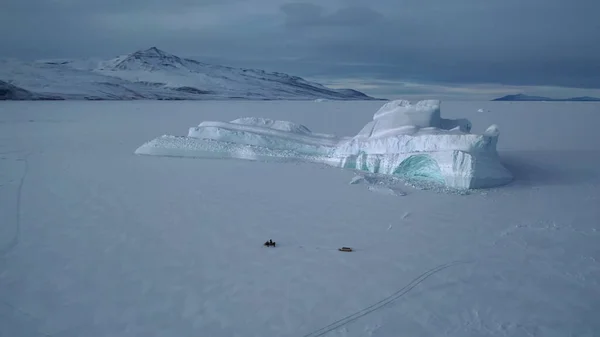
552 168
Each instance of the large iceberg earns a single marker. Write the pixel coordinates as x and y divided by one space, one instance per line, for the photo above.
408 140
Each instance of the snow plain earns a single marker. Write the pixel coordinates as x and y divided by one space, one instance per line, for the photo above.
96 241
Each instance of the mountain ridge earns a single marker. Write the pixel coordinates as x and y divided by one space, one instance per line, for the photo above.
156 74
528 98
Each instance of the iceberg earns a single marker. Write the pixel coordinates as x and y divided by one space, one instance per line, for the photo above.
407 140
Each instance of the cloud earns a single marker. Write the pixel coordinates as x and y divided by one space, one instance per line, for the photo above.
301 14
106 6
511 42
435 42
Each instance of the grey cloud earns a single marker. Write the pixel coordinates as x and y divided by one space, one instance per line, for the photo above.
513 42
354 16
105 6
301 14
84 28
311 15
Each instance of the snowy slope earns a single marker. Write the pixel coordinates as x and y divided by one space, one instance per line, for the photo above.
155 74
411 141
59 79
11 92
113 244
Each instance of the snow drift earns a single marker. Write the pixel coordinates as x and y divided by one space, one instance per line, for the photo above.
403 139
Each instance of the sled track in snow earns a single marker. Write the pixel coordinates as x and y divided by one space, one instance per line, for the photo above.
13 243
15 239
398 294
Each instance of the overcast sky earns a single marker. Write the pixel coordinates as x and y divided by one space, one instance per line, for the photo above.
390 48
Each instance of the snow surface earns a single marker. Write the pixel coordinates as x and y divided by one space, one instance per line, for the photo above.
403 139
113 244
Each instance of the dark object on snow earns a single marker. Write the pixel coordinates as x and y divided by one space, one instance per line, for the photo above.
345 249
270 243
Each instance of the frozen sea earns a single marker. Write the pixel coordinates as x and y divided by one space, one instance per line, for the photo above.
96 241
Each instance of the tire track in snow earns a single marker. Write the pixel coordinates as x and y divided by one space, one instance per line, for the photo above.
398 294
15 241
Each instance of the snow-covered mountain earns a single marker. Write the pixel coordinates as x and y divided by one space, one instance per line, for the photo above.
9 91
527 98
155 74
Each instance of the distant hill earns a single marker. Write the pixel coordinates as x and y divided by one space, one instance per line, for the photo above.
527 98
155 74
11 92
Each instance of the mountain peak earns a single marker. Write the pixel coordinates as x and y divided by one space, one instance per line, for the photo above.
153 52
149 59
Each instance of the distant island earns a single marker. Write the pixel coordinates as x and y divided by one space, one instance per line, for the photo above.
527 98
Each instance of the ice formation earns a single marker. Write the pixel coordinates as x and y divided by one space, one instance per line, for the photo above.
403 139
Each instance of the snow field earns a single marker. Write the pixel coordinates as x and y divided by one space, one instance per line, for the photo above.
114 244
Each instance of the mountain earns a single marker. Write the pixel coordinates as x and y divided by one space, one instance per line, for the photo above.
584 99
156 74
527 98
11 92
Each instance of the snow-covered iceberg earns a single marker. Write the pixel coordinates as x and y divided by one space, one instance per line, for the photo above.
403 139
